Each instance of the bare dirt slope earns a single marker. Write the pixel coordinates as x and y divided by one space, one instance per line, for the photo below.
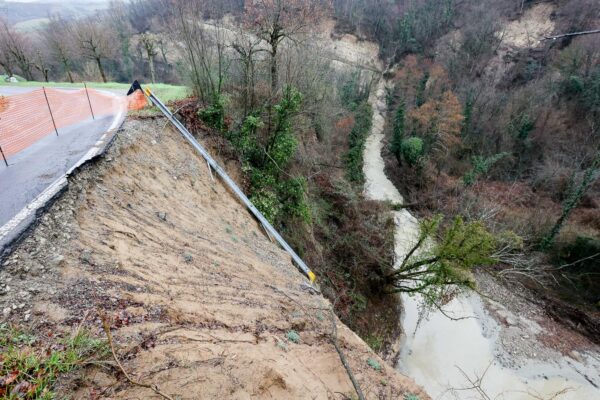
201 302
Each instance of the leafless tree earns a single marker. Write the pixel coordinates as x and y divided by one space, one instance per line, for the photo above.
276 20
17 49
55 38
247 49
149 44
94 42
204 49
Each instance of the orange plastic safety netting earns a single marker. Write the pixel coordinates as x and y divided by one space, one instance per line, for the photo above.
28 117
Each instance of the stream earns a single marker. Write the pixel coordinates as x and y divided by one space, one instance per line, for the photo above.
465 359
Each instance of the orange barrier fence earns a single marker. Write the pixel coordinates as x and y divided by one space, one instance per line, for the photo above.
28 117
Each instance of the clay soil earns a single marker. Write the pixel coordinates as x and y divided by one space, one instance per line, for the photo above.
200 302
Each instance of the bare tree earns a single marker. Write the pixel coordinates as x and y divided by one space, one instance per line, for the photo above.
149 44
204 49
55 38
17 48
94 42
247 48
41 64
276 20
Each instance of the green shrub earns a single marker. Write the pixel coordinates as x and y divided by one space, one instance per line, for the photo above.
481 166
293 336
356 143
214 114
374 364
374 342
412 150
398 131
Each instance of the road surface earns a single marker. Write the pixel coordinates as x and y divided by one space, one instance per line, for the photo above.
36 173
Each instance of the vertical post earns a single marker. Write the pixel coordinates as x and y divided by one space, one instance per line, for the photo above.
89 102
3 156
49 109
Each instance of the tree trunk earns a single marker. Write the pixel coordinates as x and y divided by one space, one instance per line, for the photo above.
151 64
7 68
274 70
70 75
101 69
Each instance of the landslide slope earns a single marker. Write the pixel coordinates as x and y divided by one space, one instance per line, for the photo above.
201 303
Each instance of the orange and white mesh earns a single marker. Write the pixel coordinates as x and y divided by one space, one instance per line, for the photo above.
25 118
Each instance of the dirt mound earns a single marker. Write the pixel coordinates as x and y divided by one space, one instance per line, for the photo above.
201 303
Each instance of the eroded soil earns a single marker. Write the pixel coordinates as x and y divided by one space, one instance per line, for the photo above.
201 303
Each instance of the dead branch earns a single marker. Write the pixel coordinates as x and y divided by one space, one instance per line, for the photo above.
571 34
106 327
343 359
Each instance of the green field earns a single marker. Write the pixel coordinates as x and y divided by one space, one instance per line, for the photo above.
163 91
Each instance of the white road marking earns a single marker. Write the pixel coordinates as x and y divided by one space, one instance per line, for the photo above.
58 184
32 207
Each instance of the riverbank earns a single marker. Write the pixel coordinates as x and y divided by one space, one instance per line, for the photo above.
499 346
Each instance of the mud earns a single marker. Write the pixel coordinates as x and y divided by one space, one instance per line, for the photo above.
201 302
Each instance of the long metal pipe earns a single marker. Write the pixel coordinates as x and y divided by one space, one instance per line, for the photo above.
232 185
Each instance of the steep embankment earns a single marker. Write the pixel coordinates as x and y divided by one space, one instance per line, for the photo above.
201 302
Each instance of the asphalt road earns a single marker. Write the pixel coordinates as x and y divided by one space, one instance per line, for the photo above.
27 182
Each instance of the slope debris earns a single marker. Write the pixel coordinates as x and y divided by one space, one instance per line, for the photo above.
199 301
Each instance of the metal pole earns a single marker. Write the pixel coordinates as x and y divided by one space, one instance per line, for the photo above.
89 102
3 156
49 109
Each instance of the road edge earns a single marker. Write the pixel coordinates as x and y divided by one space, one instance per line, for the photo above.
21 225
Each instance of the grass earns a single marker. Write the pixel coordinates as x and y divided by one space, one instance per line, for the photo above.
164 91
30 368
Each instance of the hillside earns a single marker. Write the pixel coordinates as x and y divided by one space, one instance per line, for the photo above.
201 303
36 12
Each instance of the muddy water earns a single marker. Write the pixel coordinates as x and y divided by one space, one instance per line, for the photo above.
448 356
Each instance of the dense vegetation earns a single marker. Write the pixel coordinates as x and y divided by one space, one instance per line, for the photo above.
487 128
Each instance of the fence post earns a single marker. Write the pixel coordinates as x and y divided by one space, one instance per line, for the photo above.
89 102
3 156
49 109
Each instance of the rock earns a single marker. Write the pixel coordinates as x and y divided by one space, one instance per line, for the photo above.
153 142
575 355
188 258
511 321
162 215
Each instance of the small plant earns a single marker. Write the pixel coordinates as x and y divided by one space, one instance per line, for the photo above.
481 166
411 396
320 316
374 342
293 336
214 115
31 372
374 364
282 345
